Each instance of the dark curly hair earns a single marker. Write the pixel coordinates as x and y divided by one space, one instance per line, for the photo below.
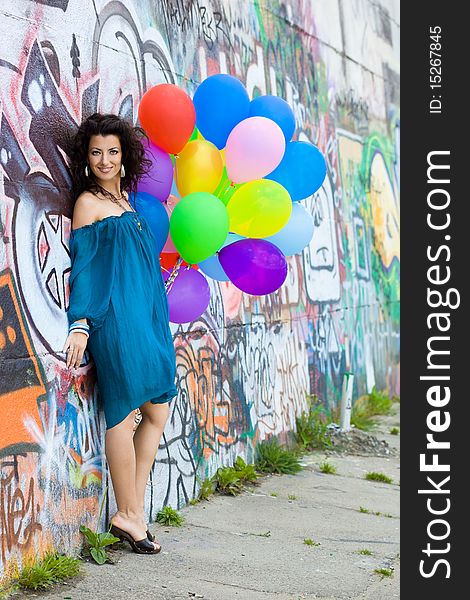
135 162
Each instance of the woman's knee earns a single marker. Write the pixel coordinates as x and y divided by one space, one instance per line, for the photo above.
156 414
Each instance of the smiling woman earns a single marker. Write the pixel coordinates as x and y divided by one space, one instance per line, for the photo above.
118 310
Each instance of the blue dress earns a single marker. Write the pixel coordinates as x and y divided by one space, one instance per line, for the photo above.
116 283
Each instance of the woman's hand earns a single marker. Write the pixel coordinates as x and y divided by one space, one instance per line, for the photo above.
74 348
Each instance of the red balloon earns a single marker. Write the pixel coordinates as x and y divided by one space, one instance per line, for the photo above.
167 115
168 261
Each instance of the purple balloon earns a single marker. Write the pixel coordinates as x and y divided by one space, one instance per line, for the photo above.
254 266
159 179
189 295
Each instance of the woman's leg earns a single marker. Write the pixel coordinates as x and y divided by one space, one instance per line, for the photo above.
146 442
121 459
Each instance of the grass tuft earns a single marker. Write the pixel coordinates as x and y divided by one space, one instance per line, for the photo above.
368 406
169 516
228 481
384 572
246 472
310 542
377 514
365 552
394 431
273 458
53 568
206 490
311 427
373 476
328 468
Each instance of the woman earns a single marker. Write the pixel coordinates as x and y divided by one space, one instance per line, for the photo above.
118 309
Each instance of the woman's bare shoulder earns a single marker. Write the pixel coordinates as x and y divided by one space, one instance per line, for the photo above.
85 210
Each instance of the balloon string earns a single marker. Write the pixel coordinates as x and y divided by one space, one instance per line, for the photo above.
174 272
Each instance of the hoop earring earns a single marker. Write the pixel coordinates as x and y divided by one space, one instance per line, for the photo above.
87 173
123 171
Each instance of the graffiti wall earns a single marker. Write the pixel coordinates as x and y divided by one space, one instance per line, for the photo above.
246 366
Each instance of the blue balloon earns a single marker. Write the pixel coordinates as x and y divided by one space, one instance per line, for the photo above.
296 233
221 101
155 214
212 267
277 110
301 170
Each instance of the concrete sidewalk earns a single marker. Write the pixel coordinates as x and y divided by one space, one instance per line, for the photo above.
250 547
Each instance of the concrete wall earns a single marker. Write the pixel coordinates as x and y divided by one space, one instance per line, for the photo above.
245 366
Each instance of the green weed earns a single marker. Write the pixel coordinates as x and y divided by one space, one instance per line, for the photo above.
368 406
169 516
206 490
377 514
246 473
311 427
328 468
373 476
384 572
97 542
273 458
228 481
51 569
310 542
365 552
394 431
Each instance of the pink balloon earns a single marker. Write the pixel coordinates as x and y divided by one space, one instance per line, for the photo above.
169 205
159 179
189 296
254 148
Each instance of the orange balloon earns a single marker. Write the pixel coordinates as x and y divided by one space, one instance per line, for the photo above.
167 115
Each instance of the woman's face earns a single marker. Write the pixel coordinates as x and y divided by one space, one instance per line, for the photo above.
105 156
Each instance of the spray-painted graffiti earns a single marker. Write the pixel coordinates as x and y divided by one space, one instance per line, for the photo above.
245 367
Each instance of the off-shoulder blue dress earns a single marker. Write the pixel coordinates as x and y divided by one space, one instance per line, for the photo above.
116 283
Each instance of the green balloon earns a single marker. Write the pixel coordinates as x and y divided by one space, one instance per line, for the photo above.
199 226
193 135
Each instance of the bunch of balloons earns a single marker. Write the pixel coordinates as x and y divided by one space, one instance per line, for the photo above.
222 196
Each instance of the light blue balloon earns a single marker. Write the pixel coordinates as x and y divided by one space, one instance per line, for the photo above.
174 190
155 214
301 170
296 233
212 267
221 102
276 109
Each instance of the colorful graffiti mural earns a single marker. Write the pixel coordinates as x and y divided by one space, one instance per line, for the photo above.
245 367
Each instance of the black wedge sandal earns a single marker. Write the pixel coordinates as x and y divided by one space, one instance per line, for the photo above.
144 546
151 538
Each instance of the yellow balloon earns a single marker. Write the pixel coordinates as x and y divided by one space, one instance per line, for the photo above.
198 168
259 208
